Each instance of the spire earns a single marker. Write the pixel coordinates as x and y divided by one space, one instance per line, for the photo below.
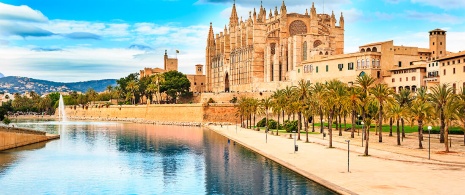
225 30
233 20
211 36
313 10
283 7
276 11
271 13
341 21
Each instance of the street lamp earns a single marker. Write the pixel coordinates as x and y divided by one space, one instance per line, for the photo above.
429 142
348 155
362 131
295 144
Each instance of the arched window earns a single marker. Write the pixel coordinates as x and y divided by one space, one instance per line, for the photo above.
304 50
377 63
297 27
362 74
317 43
363 63
374 49
363 50
195 83
369 50
321 53
358 64
326 53
373 63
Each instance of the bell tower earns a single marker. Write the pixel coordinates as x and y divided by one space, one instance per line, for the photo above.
437 43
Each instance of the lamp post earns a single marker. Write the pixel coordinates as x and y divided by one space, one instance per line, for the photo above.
348 155
362 131
429 142
295 144
323 132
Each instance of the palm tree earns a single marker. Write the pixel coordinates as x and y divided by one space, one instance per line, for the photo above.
265 105
404 98
302 91
278 104
158 79
333 97
132 87
397 112
370 114
460 114
419 111
109 89
318 91
440 96
365 83
382 93
353 93
151 89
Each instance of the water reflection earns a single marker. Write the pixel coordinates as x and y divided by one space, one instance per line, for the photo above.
119 158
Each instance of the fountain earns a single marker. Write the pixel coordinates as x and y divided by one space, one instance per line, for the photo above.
61 110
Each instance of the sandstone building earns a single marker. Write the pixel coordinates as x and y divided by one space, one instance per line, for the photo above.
267 52
267 48
197 80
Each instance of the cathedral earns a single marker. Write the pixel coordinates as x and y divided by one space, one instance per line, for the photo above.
263 51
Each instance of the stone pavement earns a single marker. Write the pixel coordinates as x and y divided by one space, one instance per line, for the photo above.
388 170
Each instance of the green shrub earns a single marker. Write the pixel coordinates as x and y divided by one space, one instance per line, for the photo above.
451 132
6 121
272 124
210 101
233 100
290 126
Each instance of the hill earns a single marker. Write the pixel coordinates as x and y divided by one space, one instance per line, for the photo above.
15 84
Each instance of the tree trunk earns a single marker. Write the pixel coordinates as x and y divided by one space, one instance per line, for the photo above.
403 132
313 125
306 129
398 133
256 123
443 125
390 127
266 120
446 137
380 123
420 129
321 122
345 122
340 127
367 134
330 128
299 126
352 133
277 129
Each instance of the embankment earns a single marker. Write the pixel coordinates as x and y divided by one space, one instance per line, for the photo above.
15 137
174 113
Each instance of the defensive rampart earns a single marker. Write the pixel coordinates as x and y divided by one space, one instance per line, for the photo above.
196 113
14 137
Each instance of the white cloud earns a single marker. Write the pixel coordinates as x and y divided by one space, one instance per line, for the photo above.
20 13
444 4
434 17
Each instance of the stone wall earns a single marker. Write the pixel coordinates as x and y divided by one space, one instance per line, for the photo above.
196 113
13 138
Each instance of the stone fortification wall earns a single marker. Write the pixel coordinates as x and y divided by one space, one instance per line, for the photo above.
226 97
192 113
164 112
13 137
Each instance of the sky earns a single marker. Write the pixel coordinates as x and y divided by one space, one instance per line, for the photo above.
80 40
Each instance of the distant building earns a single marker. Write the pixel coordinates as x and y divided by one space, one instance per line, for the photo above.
197 80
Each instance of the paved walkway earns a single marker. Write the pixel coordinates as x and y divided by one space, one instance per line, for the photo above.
394 170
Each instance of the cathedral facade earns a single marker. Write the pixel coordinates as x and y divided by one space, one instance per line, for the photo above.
265 50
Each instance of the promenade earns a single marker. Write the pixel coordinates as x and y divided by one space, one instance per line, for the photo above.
389 169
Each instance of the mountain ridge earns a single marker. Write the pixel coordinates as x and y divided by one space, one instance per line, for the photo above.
17 84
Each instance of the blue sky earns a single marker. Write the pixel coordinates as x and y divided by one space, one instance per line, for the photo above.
77 40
